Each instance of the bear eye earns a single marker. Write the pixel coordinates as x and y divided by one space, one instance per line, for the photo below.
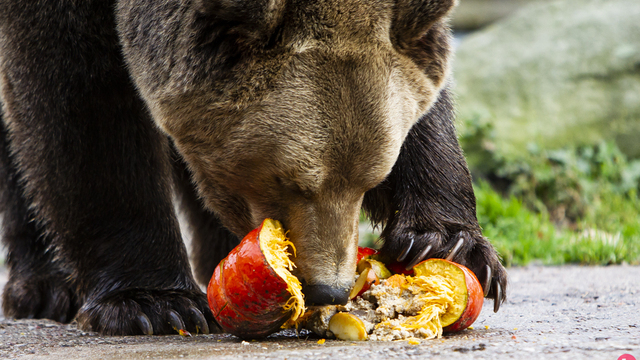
291 186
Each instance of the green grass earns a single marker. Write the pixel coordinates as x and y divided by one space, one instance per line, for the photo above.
608 234
521 235
577 204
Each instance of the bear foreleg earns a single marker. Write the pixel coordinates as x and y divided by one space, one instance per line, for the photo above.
427 205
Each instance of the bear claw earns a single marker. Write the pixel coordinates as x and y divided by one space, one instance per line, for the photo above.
487 282
418 258
144 324
498 300
405 251
455 249
175 321
199 320
148 312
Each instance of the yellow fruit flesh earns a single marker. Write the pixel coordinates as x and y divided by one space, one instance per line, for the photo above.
347 327
441 293
274 245
440 290
456 285
362 279
381 271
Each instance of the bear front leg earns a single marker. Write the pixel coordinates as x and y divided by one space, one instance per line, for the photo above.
37 287
427 204
95 174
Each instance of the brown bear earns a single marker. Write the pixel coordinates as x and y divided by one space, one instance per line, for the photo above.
302 111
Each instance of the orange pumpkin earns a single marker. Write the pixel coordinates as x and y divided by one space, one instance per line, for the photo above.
252 292
468 295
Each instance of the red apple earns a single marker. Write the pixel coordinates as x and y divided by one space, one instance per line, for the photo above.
365 252
399 268
366 278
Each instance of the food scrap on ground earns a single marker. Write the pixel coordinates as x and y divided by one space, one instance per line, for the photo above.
437 298
434 297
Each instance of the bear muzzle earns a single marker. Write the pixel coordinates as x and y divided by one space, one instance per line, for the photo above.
325 295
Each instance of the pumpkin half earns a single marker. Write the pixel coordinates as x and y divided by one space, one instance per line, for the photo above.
252 292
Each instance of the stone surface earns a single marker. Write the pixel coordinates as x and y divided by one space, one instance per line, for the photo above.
568 312
555 74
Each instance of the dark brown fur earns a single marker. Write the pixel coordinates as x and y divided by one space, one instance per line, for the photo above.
303 111
89 177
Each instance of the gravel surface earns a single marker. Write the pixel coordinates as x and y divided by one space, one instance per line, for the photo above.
568 312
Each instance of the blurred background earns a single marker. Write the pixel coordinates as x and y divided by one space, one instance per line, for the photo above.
548 100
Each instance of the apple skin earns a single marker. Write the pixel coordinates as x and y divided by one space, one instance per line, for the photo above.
367 278
365 252
245 294
399 268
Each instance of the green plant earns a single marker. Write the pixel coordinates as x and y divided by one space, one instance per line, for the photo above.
518 234
576 204
571 205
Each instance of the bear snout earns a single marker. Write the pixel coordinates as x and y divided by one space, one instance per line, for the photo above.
325 295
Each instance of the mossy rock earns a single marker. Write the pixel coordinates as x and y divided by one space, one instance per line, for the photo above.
554 74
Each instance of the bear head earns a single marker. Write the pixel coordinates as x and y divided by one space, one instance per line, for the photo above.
289 109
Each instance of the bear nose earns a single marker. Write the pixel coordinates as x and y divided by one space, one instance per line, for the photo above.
325 295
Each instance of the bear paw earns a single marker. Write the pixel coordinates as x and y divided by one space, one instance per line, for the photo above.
472 250
148 312
28 296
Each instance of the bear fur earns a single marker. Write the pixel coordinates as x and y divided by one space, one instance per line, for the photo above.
302 111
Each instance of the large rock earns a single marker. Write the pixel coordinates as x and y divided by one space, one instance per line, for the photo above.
555 74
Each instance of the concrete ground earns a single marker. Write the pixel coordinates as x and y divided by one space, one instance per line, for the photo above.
568 312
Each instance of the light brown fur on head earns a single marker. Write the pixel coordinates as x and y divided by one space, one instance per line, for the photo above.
290 109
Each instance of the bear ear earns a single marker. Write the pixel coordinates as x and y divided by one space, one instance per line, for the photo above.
413 18
256 18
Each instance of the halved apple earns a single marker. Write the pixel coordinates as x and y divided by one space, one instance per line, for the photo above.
366 278
345 326
380 269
